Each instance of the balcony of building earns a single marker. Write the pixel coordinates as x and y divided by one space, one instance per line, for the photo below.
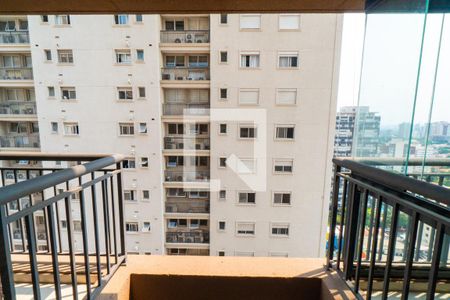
20 135
17 105
15 70
187 251
186 104
388 236
180 201
190 33
14 33
185 70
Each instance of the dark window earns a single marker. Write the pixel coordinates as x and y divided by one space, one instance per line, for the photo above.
222 225
44 18
223 56
223 19
223 93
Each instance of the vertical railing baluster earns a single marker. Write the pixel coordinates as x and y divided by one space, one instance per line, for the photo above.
58 220
22 226
11 241
31 241
6 267
431 243
121 210
351 231
362 224
383 231
434 270
114 221
410 254
333 214
85 239
391 250
419 242
54 251
45 214
106 224
374 247
342 223
70 231
96 234
372 215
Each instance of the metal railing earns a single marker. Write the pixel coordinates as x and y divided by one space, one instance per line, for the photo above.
192 237
388 233
187 206
14 37
18 108
20 141
191 109
13 73
188 176
185 73
186 143
96 217
186 36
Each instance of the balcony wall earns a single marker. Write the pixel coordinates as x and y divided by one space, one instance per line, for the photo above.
194 236
14 37
185 36
183 205
20 141
13 73
188 176
185 74
186 143
17 108
191 109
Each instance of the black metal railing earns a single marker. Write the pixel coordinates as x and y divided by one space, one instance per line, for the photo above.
388 233
64 222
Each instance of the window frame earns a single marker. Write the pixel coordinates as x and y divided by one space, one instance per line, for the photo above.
282 193
259 28
286 90
65 54
289 55
130 126
246 203
286 128
280 160
249 127
249 54
75 125
279 225
245 234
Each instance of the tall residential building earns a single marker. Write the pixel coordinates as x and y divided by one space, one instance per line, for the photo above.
366 133
345 124
227 120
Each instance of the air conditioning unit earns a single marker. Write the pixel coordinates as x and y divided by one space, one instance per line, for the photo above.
165 76
179 77
189 38
177 41
189 239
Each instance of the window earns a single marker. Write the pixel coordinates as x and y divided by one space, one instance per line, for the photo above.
145 195
247 198
129 195
282 198
246 166
288 60
176 193
65 56
174 161
223 129
223 94
71 128
123 56
199 161
198 194
126 128
248 96
222 162
283 166
141 92
23 25
286 96
44 18
62 20
198 61
54 126
222 194
132 226
140 55
125 93
245 228
146 227
121 19
284 132
222 225
176 129
223 56
51 91
194 223
250 21
280 229
278 254
174 61
221 253
129 163
144 162
174 25
223 19
142 128
250 60
289 21
139 19
247 132
68 93
48 55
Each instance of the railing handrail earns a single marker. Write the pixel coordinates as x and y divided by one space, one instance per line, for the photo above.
21 189
392 161
396 181
182 31
186 68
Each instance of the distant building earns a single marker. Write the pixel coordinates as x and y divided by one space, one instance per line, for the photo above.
367 133
345 123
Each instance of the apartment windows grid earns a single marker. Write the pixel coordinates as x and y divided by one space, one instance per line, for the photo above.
71 128
284 132
132 227
223 93
123 56
65 56
141 92
68 93
126 129
62 20
175 129
250 21
250 60
221 225
144 162
125 93
223 19
287 60
54 127
142 128
223 56
222 129
48 55
129 195
121 19
247 198
51 91
289 22
281 166
198 194
222 195
145 195
245 228
282 198
286 97
247 131
279 229
248 96
140 55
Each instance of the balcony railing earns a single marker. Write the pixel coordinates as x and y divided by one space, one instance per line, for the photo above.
186 143
20 141
192 237
14 37
185 73
18 108
188 176
389 233
192 109
12 73
187 36
187 206
97 186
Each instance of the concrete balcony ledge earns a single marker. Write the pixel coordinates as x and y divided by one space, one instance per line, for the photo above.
209 277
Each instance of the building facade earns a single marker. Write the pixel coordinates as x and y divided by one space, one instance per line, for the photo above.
224 119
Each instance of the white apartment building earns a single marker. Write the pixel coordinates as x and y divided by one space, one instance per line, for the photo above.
225 119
